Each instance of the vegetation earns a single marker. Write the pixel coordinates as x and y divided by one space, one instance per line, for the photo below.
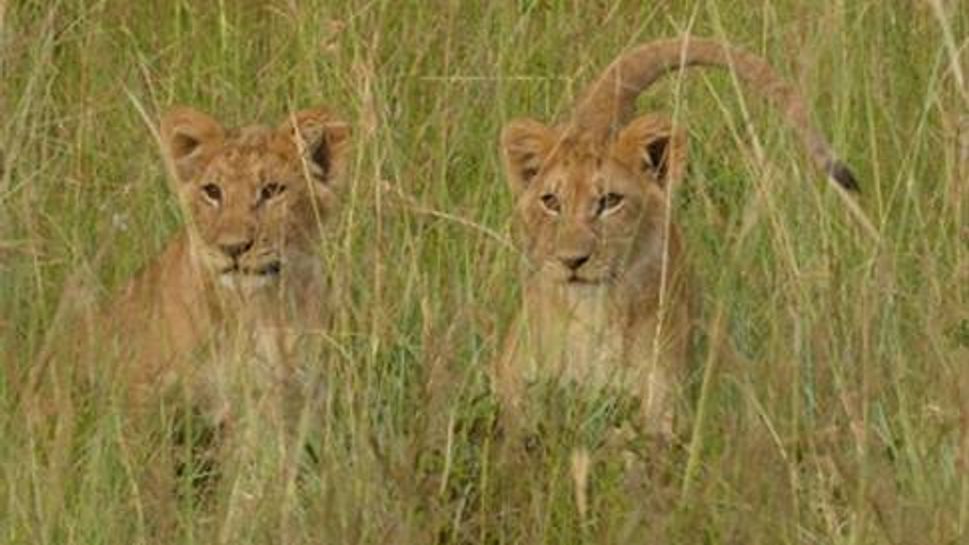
830 399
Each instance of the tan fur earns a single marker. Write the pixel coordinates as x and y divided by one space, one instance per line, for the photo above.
606 295
220 311
227 316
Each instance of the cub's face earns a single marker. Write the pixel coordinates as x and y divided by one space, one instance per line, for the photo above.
588 210
255 197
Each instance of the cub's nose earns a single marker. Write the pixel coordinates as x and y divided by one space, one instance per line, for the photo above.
236 249
573 262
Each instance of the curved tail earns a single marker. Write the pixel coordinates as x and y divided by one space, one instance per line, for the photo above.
609 103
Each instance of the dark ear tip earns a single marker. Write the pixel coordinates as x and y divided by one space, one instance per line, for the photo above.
842 175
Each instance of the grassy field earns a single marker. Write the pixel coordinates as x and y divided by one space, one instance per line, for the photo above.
842 416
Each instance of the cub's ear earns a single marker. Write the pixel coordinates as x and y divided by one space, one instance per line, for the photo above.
525 144
650 145
324 141
188 136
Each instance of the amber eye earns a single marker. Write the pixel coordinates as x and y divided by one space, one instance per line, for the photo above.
271 190
551 203
609 202
212 192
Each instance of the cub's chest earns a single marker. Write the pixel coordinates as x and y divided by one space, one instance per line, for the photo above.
579 336
252 355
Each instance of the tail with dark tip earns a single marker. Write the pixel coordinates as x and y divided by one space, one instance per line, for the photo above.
609 103
840 173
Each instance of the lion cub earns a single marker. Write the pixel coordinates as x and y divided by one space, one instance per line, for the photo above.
222 309
606 295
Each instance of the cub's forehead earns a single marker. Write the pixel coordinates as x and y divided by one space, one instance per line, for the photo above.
573 168
587 174
253 151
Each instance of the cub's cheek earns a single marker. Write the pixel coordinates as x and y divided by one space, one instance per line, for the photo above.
201 213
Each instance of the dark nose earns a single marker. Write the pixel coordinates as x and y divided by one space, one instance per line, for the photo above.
236 249
573 262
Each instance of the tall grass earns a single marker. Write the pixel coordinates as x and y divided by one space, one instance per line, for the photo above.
836 404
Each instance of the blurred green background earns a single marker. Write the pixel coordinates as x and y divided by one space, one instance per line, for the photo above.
840 416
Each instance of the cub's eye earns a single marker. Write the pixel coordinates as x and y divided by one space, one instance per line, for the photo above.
551 203
271 190
212 192
609 202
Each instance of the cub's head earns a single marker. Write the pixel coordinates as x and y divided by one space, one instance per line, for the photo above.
254 197
590 209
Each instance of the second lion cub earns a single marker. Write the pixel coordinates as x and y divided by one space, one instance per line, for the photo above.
606 295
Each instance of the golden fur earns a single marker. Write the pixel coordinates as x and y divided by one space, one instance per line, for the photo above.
220 311
222 322
606 296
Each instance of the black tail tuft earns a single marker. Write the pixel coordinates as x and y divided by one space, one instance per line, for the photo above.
840 173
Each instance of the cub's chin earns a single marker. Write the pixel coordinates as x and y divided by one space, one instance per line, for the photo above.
246 283
581 279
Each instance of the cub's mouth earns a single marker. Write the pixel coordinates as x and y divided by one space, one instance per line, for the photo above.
268 270
582 281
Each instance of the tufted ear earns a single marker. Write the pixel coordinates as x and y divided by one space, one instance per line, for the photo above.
188 136
525 144
324 140
652 146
